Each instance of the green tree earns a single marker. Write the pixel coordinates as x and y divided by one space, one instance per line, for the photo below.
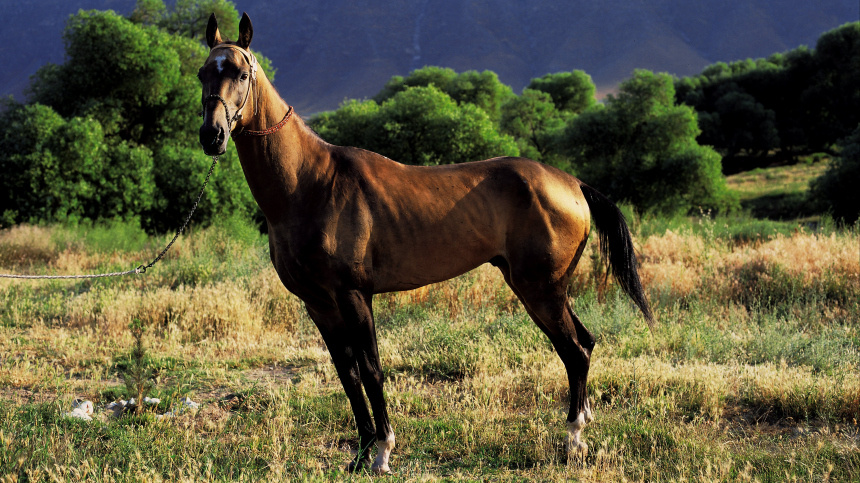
740 125
352 124
135 83
787 105
832 99
61 170
533 120
419 125
836 189
148 12
440 77
641 147
187 18
483 89
116 72
570 91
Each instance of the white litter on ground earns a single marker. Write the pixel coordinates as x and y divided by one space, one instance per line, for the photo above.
83 409
185 404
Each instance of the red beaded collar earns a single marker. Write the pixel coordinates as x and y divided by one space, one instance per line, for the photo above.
273 129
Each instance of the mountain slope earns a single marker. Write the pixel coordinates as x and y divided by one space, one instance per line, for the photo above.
330 50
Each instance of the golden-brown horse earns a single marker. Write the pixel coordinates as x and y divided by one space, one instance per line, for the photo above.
345 224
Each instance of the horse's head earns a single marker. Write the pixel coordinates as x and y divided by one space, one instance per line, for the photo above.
228 77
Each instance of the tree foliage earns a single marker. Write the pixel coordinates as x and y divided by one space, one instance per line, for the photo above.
837 187
800 102
417 125
112 132
533 120
571 92
58 169
641 147
482 89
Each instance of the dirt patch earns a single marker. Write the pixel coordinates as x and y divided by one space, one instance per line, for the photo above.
743 422
275 374
20 396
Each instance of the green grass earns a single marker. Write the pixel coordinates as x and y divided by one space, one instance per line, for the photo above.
778 193
751 373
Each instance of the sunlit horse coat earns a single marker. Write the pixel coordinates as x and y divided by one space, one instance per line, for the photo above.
345 223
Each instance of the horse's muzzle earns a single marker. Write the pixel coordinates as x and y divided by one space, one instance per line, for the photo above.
213 139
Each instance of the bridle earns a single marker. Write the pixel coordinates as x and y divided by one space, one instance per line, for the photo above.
237 116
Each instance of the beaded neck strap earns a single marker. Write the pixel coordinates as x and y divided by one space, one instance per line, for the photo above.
273 129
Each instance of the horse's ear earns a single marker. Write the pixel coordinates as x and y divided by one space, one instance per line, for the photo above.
213 35
246 31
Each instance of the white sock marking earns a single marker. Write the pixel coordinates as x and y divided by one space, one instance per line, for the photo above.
380 465
574 435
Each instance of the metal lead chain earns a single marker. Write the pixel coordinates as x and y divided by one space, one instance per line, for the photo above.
140 268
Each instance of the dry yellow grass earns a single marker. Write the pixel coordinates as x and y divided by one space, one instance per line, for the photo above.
475 390
682 265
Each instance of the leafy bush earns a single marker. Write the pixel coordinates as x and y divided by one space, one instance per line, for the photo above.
787 105
641 147
837 187
570 91
482 89
56 169
419 125
112 132
533 120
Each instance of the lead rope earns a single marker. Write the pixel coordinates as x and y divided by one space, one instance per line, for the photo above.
139 268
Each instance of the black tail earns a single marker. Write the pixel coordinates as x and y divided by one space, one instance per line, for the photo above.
617 247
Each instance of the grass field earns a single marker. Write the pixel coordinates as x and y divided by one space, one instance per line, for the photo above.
752 372
778 192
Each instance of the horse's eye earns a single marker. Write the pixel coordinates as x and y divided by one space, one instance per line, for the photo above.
244 76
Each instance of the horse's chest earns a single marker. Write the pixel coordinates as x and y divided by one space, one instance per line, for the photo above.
305 265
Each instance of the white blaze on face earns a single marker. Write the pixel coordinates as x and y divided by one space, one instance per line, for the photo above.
220 60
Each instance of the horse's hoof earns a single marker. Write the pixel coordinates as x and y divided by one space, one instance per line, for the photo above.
381 470
358 465
576 452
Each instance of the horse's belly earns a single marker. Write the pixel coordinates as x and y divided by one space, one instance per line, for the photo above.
422 262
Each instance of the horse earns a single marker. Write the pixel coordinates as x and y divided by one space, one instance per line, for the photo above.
345 224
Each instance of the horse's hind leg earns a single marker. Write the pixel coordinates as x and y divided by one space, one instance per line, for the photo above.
580 410
548 306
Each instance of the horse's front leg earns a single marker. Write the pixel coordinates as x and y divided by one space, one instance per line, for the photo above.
340 340
356 308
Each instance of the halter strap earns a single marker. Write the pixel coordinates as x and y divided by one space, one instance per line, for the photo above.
248 55
252 61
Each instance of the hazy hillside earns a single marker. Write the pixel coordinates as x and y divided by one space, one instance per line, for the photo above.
329 50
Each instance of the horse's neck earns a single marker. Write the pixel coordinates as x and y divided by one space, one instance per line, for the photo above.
277 165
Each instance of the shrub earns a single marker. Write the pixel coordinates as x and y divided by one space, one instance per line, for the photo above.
641 148
837 187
